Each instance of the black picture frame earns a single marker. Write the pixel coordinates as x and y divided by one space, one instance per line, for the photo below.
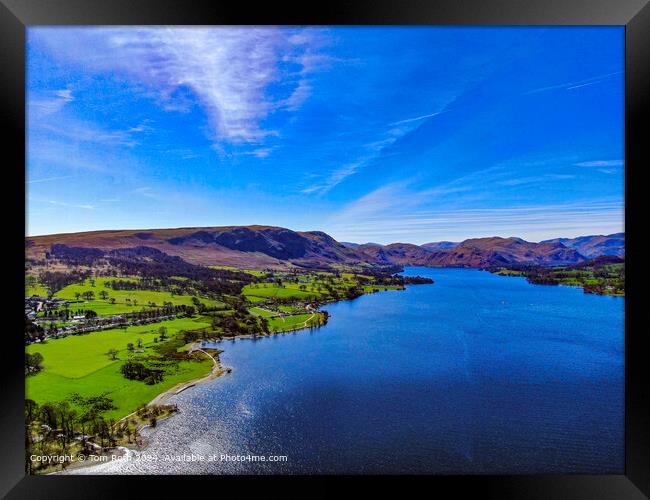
17 15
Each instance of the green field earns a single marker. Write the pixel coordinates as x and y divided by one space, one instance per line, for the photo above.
290 309
270 290
253 272
79 363
105 308
34 288
290 322
316 285
254 300
510 272
258 311
127 395
125 300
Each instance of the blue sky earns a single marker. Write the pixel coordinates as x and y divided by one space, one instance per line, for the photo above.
382 134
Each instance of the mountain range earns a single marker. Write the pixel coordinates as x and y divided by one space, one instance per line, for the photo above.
593 246
269 246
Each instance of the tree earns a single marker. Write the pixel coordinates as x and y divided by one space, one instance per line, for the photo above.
31 410
88 295
162 332
112 353
103 294
33 331
33 363
90 314
139 341
129 346
77 295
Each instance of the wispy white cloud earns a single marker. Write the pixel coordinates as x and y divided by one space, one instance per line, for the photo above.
535 179
378 201
48 120
529 222
49 179
337 176
85 206
299 95
369 152
64 155
575 84
84 131
387 135
417 118
310 61
227 70
143 126
258 152
400 211
398 197
601 163
47 103
145 191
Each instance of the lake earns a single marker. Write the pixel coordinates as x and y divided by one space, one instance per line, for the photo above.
477 373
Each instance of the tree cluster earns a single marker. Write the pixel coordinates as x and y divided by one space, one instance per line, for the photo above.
57 280
134 370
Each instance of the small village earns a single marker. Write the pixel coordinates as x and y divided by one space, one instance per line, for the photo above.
80 324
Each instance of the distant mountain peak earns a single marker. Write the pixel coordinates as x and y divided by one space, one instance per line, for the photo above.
440 245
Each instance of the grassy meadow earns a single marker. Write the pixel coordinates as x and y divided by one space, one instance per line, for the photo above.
80 364
125 300
258 311
292 322
312 286
272 290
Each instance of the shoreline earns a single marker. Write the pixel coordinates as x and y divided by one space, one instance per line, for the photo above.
217 370
120 451
161 399
581 287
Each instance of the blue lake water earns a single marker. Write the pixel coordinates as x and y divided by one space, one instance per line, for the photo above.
475 374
